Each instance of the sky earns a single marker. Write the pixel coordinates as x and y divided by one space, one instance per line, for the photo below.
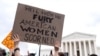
80 15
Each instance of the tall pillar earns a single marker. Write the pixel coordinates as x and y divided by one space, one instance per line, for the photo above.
70 45
80 48
75 53
66 46
85 49
95 50
90 49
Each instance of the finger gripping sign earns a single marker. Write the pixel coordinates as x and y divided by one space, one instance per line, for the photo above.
8 42
36 25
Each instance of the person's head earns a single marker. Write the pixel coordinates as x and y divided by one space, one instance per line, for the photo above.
2 52
32 54
16 50
93 55
61 54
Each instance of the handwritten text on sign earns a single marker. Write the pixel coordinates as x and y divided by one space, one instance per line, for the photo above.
38 25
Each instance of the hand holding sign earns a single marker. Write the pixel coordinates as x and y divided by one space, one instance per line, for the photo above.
11 43
16 39
57 45
36 25
56 48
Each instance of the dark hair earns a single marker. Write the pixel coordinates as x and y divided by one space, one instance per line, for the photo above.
93 55
61 54
32 54
16 49
13 54
3 52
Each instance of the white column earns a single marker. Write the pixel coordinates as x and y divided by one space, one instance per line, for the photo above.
80 48
70 45
85 49
95 49
90 49
75 53
66 46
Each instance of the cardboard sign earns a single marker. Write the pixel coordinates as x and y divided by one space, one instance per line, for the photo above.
37 25
8 42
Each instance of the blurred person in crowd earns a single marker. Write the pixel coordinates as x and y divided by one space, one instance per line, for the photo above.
56 49
2 52
31 54
56 52
93 55
16 50
61 54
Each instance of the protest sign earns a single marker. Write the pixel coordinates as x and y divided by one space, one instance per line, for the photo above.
37 25
8 42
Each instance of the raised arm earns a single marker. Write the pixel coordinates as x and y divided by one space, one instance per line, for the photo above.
16 40
16 50
56 48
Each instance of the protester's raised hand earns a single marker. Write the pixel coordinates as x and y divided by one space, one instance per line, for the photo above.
56 46
16 39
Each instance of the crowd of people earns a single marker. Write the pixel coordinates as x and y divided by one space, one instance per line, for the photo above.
16 50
